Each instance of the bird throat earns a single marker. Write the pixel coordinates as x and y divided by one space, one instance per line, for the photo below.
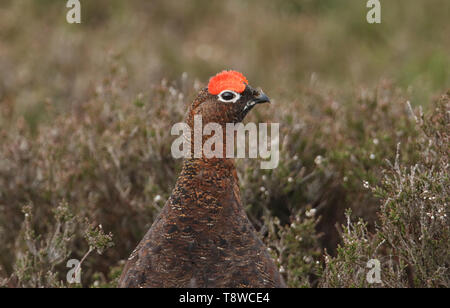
208 185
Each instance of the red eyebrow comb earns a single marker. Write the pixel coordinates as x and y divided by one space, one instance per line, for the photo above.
227 80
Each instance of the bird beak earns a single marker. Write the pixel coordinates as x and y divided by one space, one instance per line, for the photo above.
261 98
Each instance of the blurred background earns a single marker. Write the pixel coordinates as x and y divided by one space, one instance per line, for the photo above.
86 111
279 45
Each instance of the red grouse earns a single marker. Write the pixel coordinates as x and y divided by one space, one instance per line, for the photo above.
203 237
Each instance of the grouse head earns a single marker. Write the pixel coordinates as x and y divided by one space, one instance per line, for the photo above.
227 99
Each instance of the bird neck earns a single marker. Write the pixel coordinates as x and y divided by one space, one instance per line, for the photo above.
207 181
219 167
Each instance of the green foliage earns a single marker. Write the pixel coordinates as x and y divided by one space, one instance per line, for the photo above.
86 118
117 171
296 248
123 175
412 235
414 222
348 268
39 256
98 240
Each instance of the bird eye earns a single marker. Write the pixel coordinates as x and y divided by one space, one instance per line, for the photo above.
228 96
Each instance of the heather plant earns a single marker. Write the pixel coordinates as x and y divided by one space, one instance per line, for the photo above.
36 260
412 235
110 159
99 159
296 248
326 165
85 122
40 254
349 267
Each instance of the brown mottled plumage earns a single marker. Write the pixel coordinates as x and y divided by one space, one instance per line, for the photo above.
202 237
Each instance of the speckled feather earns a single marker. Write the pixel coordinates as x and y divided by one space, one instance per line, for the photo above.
203 237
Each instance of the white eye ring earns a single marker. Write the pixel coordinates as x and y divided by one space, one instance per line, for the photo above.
233 100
